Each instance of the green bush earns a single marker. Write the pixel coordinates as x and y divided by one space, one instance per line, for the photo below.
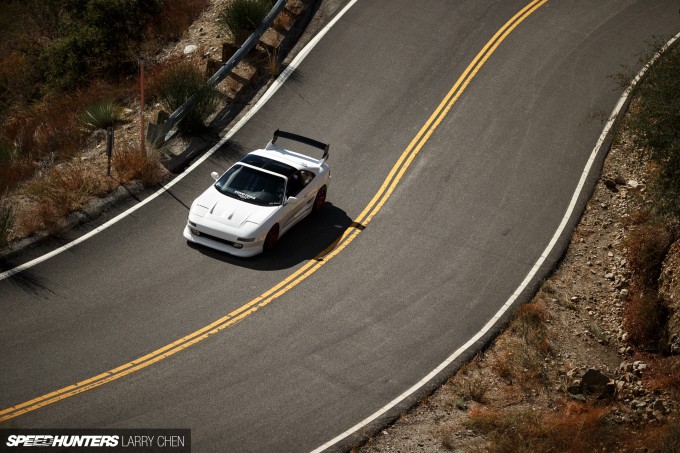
655 127
101 115
242 17
93 38
176 84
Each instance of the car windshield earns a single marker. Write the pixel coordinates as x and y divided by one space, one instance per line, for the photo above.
252 186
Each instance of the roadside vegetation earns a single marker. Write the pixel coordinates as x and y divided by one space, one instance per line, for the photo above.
241 17
69 68
174 83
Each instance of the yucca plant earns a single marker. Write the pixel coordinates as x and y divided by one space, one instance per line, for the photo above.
101 115
242 17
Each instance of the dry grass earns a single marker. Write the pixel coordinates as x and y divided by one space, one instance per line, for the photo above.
130 164
665 373
644 319
45 201
520 356
571 429
647 246
58 192
646 314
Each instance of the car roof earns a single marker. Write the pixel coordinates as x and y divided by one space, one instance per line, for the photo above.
295 159
256 160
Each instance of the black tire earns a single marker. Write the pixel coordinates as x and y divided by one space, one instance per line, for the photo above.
272 238
320 199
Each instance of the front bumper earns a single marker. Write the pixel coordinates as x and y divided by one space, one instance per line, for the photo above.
248 249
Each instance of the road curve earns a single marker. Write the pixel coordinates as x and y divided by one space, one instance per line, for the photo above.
466 222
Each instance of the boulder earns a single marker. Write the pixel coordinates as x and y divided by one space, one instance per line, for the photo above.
595 382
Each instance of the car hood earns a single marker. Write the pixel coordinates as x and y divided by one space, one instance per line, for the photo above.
229 211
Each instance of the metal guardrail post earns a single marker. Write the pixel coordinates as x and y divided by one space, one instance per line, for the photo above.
158 133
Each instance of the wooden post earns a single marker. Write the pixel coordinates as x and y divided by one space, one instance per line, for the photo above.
109 148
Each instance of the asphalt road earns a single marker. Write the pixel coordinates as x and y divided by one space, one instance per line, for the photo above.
466 223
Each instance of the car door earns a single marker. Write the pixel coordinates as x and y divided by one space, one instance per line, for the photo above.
299 186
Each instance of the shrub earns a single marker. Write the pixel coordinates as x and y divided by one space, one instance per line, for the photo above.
644 319
647 247
654 127
94 37
242 17
64 189
129 164
101 115
174 85
476 388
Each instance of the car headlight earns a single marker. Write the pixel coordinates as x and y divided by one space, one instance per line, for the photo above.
245 239
199 210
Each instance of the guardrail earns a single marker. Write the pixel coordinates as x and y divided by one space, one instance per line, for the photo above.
158 134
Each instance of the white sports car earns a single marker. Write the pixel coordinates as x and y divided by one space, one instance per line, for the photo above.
259 198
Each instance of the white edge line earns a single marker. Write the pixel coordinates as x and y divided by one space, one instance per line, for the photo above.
492 322
260 103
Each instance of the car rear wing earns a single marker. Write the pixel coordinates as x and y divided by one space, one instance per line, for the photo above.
302 139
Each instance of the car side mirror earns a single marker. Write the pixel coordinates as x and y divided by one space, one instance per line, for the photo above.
291 200
214 175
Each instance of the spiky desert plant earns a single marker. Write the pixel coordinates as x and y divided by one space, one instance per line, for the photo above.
101 115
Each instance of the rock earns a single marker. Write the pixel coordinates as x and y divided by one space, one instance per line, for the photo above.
611 185
191 48
639 367
620 180
595 382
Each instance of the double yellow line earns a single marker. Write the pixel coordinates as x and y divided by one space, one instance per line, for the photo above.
373 207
